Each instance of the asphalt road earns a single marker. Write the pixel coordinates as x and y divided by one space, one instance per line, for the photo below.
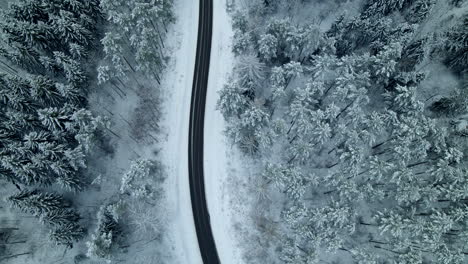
197 120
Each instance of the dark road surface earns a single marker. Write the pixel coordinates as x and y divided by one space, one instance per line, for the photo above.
197 120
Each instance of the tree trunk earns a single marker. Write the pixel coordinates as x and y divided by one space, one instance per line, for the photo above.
14 256
128 63
344 109
292 124
416 164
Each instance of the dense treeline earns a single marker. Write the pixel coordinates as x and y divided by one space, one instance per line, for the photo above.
135 56
48 50
140 31
46 130
367 165
52 210
52 53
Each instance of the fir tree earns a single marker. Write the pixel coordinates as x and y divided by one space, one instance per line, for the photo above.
268 44
384 7
233 100
37 203
44 91
67 234
250 69
68 29
242 42
60 217
52 210
72 69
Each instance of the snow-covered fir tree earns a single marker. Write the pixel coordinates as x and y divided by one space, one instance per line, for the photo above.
52 210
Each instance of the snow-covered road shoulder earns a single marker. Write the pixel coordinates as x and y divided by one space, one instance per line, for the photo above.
177 90
216 164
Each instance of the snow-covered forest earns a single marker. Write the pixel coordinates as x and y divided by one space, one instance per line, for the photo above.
75 76
336 131
355 114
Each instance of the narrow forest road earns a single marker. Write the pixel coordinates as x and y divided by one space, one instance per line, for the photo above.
196 135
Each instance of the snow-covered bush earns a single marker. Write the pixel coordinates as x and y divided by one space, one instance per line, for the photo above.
141 180
146 221
140 193
108 230
100 246
241 42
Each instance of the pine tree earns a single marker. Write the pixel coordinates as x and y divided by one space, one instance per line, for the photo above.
419 10
292 252
21 55
27 11
72 69
70 92
384 7
254 117
268 47
26 33
278 83
329 225
383 65
60 217
85 127
37 203
52 210
412 256
149 58
15 94
145 26
287 179
66 234
113 47
313 41
239 21
68 29
233 100
43 90
241 42
250 70
55 119
456 45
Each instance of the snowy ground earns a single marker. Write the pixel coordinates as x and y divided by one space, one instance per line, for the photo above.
177 88
220 161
